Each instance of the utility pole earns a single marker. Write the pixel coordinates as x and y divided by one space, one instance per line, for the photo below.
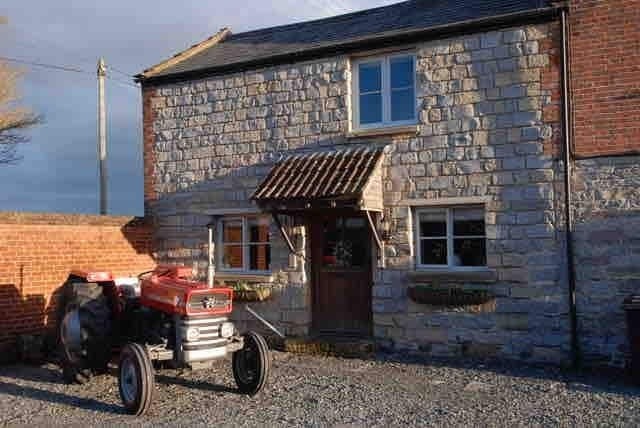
102 137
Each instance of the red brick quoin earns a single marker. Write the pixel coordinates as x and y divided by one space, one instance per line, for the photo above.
149 115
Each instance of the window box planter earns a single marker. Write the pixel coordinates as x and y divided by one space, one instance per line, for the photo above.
449 297
250 293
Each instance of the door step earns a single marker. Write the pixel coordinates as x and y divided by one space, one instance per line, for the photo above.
331 347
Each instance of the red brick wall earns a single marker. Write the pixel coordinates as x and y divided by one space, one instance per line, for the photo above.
37 251
605 67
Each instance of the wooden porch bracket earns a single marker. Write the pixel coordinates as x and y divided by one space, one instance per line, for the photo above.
376 237
284 233
372 225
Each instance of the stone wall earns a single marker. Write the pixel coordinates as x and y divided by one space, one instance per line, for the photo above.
607 241
488 131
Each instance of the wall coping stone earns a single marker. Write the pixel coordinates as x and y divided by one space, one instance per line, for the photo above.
61 219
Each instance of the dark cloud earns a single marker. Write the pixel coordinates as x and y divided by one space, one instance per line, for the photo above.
59 171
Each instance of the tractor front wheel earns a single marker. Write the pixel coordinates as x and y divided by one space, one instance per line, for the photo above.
252 364
135 379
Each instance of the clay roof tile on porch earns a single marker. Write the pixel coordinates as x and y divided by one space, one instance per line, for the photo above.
345 178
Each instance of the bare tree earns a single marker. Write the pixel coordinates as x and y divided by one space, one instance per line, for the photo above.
13 118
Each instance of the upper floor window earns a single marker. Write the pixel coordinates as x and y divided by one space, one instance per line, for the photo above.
244 244
384 91
452 238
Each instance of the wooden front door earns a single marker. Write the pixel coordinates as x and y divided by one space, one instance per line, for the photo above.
342 276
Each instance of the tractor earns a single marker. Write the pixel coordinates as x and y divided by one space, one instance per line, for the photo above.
162 319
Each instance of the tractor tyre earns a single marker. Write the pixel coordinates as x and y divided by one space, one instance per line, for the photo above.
252 364
135 379
85 303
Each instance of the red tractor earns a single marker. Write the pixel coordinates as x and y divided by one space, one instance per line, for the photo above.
163 318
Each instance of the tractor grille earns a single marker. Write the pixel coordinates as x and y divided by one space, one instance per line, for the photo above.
208 302
209 343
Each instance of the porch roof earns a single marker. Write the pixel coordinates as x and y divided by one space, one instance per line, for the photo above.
336 179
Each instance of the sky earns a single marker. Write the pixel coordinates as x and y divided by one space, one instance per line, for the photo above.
58 172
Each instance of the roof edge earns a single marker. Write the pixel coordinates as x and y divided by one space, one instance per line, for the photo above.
370 42
185 54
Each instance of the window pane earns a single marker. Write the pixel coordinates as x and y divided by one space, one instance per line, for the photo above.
402 105
232 257
355 242
260 257
433 224
345 243
402 72
469 252
468 222
433 252
258 230
370 108
370 76
232 231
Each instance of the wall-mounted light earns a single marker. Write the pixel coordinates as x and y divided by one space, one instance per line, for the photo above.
387 226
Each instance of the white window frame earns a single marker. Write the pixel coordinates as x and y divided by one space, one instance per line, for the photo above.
245 245
386 92
450 237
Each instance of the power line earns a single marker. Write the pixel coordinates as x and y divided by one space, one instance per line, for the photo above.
124 73
62 68
40 64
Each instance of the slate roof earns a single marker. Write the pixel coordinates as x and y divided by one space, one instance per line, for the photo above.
359 26
341 174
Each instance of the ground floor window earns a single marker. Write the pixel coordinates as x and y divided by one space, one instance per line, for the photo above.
244 244
450 237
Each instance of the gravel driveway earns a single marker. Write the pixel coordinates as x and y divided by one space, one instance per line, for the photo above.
318 391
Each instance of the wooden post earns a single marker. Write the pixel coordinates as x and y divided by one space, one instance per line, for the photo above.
211 268
102 137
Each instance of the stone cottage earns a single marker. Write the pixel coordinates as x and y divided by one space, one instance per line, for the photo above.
397 174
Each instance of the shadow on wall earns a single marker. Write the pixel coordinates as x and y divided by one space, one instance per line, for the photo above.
22 315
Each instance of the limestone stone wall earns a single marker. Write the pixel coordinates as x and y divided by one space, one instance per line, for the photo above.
607 241
488 132
489 128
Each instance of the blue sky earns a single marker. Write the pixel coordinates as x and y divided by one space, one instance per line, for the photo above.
59 169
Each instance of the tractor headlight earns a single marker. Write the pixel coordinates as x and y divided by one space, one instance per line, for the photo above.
227 329
193 334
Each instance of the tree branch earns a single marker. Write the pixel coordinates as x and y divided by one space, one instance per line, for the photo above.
12 118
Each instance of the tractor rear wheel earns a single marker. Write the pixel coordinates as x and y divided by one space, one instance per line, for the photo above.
85 330
252 364
135 379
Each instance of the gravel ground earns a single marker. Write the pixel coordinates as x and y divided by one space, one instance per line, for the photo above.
319 391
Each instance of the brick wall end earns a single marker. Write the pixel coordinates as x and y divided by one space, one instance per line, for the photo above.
605 63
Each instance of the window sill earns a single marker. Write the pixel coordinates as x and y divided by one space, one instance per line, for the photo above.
391 130
471 275
248 277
